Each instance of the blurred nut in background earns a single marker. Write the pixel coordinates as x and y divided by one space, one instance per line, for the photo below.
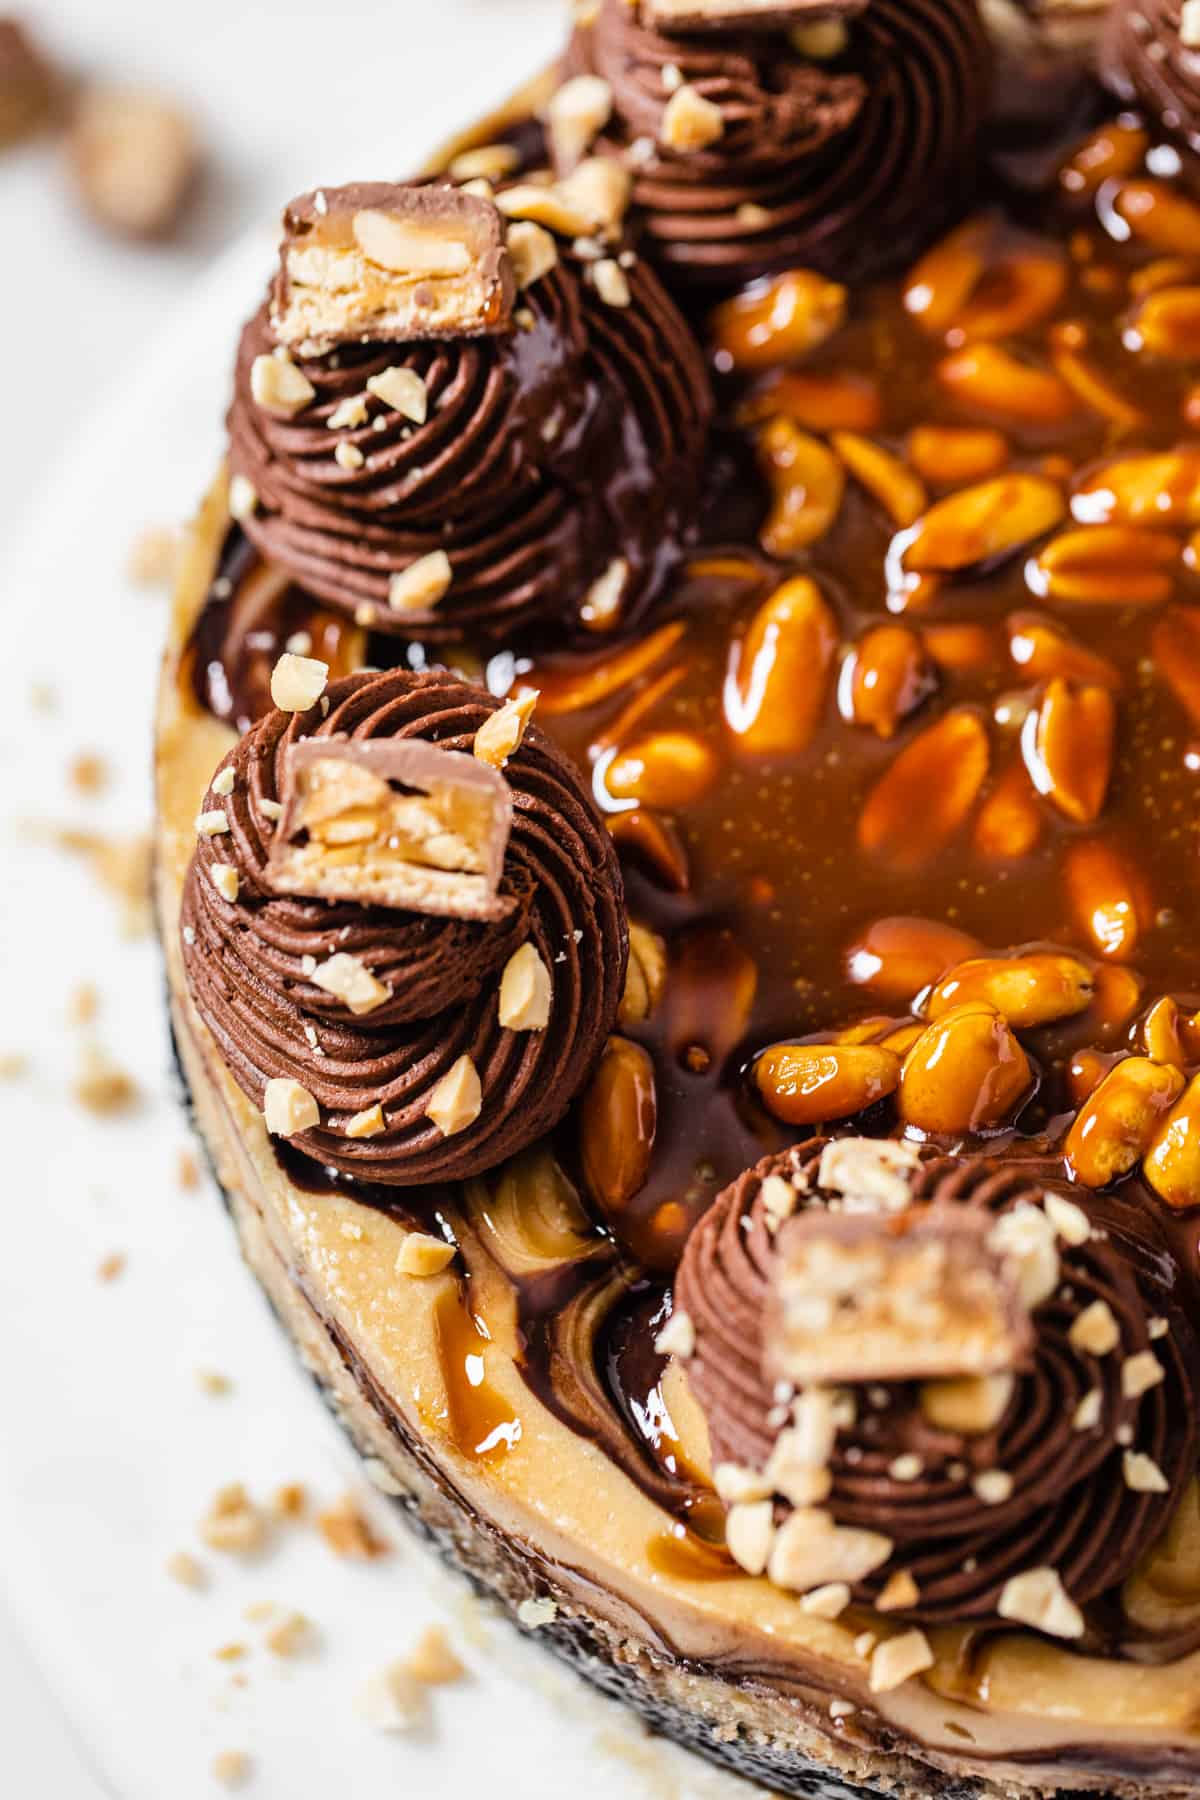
134 157
29 89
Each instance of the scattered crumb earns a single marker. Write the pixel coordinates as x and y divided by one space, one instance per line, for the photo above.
187 1171
347 1531
392 1701
292 1636
153 556
234 1652
102 1086
533 1613
233 1523
291 1501
12 1064
432 1660
232 1768
83 1004
211 1381
258 1612
111 1267
88 773
42 697
184 1568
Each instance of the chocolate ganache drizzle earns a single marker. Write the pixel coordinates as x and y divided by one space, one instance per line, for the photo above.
842 164
547 451
1067 1502
251 961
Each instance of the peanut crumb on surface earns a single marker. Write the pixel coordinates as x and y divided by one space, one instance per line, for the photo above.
12 1064
87 773
432 1660
392 1701
291 1636
111 1267
232 1768
186 1569
153 556
83 1004
187 1171
211 1381
347 1531
233 1523
101 1086
290 1501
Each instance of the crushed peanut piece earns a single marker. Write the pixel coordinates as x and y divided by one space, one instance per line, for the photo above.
290 1501
677 1337
103 1087
422 1255
525 991
1140 1373
457 1099
184 1568
420 586
226 881
83 1004
1095 1331
1142 1474
233 1524
392 1701
347 1531
533 251
289 1108
279 387
432 1660
690 122
577 113
349 980
297 682
898 1659
111 1267
611 282
828 1602
403 390
88 773
232 1768
1038 1598
899 1593
366 1124
291 1636
535 1613
243 498
502 733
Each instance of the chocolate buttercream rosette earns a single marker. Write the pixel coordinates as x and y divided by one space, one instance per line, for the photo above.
524 458
1151 56
751 154
1079 1455
369 1009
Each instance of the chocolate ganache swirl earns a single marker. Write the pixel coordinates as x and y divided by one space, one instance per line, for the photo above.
251 961
844 165
548 451
1146 59
1069 1506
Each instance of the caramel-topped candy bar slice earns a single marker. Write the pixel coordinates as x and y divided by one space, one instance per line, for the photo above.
891 1297
393 822
733 15
390 262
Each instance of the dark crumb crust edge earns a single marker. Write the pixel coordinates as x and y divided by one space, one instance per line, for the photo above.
738 1722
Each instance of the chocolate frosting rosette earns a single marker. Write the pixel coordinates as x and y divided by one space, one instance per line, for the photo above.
839 144
981 1393
404 926
1152 58
439 460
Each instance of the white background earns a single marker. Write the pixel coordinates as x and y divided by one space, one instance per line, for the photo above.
285 97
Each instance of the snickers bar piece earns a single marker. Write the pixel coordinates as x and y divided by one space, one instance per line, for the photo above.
394 822
391 263
738 15
891 1297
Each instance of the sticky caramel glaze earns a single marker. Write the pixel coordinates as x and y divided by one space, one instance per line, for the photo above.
759 881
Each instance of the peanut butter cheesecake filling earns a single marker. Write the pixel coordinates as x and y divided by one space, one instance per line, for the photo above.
448 419
838 1347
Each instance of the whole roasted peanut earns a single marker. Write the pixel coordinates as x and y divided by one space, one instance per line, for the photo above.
988 378
1154 488
1107 897
1167 323
1030 990
884 475
778 673
1009 822
1119 565
894 958
807 483
816 400
980 523
1109 153
778 321
646 838
1043 649
802 1084
961 645
1117 1122
663 768
885 677
979 282
1068 747
1160 216
1162 1038
1172 1161
568 688
711 994
966 1072
1085 1071
646 975
1175 646
1076 366
1164 271
922 800
1117 996
948 455
618 1118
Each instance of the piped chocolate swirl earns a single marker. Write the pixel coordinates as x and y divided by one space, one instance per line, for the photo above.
1067 1455
434 1043
1151 57
839 146
477 462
